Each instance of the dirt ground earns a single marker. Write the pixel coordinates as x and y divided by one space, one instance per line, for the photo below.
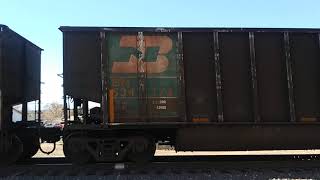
169 152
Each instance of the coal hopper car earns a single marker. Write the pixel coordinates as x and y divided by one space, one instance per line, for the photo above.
126 89
20 128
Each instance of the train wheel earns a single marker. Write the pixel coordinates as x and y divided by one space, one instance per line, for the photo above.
11 148
31 146
75 149
142 149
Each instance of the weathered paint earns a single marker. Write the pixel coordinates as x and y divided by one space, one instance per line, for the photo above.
144 75
103 81
308 119
1 110
158 66
1 115
200 120
146 83
217 65
111 105
254 77
289 76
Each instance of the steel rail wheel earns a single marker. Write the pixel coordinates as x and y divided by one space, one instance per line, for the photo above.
11 148
142 149
31 146
75 149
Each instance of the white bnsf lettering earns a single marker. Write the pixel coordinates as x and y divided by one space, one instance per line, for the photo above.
159 102
161 107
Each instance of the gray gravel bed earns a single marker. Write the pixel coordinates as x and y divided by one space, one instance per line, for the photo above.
188 171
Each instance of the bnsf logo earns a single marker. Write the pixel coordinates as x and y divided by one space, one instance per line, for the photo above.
164 43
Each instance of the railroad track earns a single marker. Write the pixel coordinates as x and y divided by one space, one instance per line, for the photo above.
209 158
204 167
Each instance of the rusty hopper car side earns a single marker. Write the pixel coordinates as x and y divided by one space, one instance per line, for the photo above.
193 88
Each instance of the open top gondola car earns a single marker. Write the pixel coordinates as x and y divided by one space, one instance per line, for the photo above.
194 88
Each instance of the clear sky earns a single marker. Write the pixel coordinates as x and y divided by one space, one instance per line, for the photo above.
38 21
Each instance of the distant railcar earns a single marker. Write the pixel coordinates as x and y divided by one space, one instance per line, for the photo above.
20 67
126 89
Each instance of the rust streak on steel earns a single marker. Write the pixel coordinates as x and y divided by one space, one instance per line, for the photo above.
1 59
1 109
181 79
111 105
104 85
217 65
319 40
65 105
141 73
254 77
289 76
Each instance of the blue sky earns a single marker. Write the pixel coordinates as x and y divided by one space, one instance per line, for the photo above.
39 20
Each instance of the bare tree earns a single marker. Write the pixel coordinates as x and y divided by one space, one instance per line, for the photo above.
53 112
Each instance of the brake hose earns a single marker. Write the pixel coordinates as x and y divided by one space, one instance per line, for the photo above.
48 152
